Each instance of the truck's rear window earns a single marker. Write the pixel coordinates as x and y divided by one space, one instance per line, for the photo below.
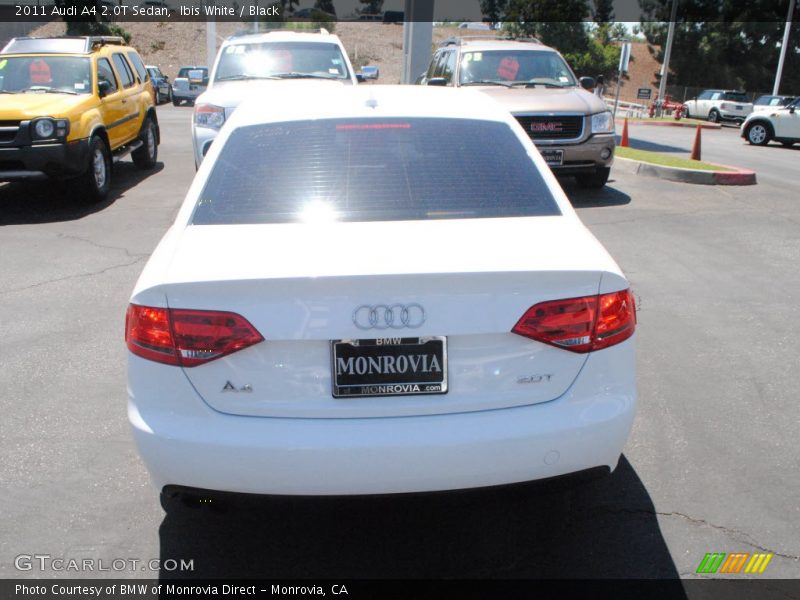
372 170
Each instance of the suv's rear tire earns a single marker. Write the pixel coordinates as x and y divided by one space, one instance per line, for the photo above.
146 156
713 116
758 133
594 180
94 184
176 101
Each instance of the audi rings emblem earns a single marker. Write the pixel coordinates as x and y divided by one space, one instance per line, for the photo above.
394 316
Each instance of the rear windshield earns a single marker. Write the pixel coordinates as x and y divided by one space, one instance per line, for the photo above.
735 97
372 170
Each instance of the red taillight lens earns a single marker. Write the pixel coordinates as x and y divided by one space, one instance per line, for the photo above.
185 337
581 324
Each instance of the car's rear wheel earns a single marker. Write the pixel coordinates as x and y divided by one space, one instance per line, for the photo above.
686 114
94 184
175 101
158 97
145 157
713 116
594 180
758 134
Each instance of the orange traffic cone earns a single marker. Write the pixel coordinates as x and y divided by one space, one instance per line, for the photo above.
624 140
696 146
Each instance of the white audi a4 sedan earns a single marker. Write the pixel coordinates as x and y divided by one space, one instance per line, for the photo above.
377 289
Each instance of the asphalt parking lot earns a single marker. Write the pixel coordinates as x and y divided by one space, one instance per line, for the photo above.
711 465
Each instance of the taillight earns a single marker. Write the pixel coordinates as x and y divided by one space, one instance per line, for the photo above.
186 338
581 324
725 106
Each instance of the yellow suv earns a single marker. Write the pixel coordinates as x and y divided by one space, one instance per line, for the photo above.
69 106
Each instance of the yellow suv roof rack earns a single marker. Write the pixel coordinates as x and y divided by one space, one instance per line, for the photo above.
64 44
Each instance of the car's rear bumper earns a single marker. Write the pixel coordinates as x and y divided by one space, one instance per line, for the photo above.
186 443
733 115
42 161
586 157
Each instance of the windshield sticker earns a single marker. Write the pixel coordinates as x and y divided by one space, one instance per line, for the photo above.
333 71
508 68
3 64
563 79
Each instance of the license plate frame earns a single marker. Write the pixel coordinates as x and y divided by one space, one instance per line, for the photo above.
348 382
553 158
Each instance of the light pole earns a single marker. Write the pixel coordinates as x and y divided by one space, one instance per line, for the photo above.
662 86
785 45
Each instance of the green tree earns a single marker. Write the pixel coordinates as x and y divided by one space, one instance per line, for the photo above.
325 6
371 7
493 10
724 43
603 11
560 24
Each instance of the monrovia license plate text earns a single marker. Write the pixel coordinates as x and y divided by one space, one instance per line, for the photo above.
389 367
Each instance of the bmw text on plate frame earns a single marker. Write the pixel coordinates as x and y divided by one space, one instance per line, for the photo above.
537 299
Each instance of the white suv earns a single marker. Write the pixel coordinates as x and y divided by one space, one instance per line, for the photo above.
245 62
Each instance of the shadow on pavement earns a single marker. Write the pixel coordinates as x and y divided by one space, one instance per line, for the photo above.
588 198
602 529
54 201
638 144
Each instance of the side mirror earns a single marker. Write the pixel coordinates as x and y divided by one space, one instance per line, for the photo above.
440 81
587 83
103 88
370 72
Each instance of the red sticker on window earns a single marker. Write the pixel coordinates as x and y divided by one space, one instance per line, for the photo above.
508 69
283 61
39 72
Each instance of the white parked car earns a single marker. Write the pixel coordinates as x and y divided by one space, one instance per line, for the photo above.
767 103
782 125
357 298
719 105
243 63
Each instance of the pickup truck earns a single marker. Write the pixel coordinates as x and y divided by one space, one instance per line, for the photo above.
189 84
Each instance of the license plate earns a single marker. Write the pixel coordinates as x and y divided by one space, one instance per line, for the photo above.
193 88
553 158
739 107
389 367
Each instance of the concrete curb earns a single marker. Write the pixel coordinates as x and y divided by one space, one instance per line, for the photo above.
736 177
670 124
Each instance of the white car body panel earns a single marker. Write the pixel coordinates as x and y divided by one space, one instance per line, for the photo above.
515 409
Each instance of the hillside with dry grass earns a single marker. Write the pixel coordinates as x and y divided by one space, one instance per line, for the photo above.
172 44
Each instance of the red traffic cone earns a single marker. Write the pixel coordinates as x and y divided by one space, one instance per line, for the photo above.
624 140
696 146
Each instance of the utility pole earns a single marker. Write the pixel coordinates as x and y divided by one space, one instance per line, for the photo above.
662 86
784 46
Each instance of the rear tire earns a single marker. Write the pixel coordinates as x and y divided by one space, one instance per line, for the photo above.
594 180
176 101
758 134
713 116
146 156
94 184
